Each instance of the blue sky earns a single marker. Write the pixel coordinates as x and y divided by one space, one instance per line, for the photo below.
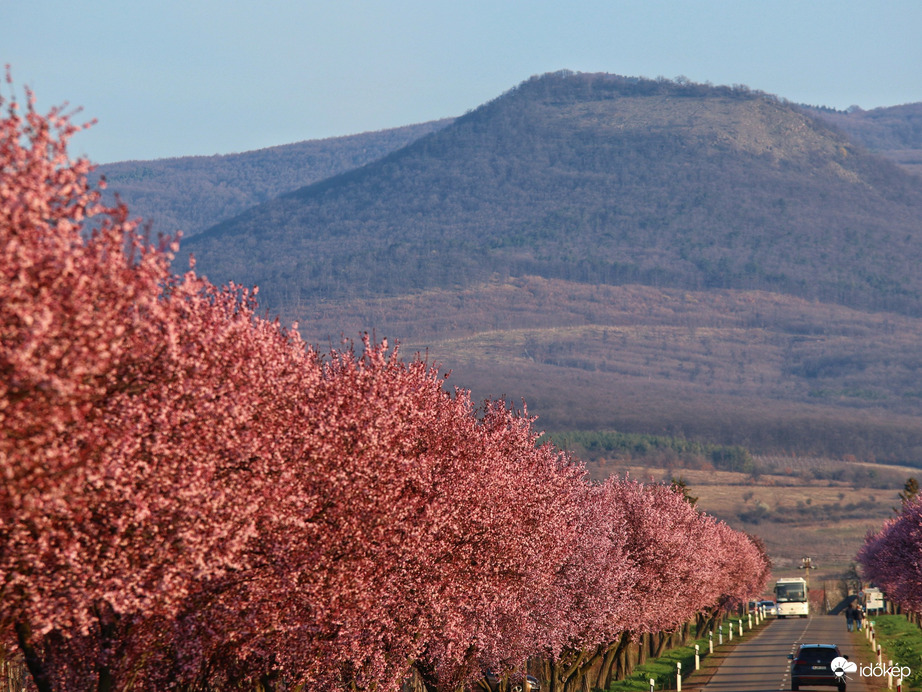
201 77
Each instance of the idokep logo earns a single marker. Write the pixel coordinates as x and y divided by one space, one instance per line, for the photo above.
840 666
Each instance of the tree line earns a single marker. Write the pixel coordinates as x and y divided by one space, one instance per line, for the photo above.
611 443
195 499
890 557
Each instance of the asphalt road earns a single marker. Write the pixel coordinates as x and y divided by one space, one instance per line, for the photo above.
760 663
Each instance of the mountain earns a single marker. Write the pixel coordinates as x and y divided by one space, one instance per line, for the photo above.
648 256
598 179
193 193
894 131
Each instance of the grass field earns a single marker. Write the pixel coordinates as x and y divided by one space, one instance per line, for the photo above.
901 642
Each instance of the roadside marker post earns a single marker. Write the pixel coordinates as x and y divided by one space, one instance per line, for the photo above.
697 658
678 679
710 642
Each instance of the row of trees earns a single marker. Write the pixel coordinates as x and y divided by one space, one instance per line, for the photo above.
890 557
195 499
611 443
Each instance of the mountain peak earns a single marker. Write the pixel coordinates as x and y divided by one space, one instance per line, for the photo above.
603 179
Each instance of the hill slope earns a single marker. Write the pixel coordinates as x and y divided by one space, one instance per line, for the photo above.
598 179
623 254
195 192
894 132
770 372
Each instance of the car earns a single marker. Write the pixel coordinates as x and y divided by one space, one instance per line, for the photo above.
812 666
768 607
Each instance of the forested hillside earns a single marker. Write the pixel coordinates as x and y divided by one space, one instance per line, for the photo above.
624 254
195 192
894 132
597 179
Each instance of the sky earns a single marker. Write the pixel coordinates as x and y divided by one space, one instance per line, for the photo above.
168 78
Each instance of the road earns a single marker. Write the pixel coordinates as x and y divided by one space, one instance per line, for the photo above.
760 663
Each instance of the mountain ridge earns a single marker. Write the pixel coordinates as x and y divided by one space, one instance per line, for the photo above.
763 262
603 179
190 194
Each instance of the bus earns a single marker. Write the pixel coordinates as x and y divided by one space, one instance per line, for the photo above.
791 597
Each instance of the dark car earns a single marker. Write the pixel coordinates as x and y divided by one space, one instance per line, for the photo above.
812 666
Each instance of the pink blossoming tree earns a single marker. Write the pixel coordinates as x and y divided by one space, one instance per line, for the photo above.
892 558
195 499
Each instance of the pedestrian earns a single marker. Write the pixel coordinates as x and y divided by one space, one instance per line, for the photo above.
859 616
850 616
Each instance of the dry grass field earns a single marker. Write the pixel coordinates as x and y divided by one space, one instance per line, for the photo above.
795 513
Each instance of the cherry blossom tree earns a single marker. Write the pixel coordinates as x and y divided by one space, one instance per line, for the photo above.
429 534
598 583
70 310
126 442
662 562
193 498
892 558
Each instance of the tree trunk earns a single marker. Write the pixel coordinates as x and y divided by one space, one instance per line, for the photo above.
660 638
608 671
426 676
32 657
629 658
108 635
105 682
644 647
601 681
584 671
564 675
708 623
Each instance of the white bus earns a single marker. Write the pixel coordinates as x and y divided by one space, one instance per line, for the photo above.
792 597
